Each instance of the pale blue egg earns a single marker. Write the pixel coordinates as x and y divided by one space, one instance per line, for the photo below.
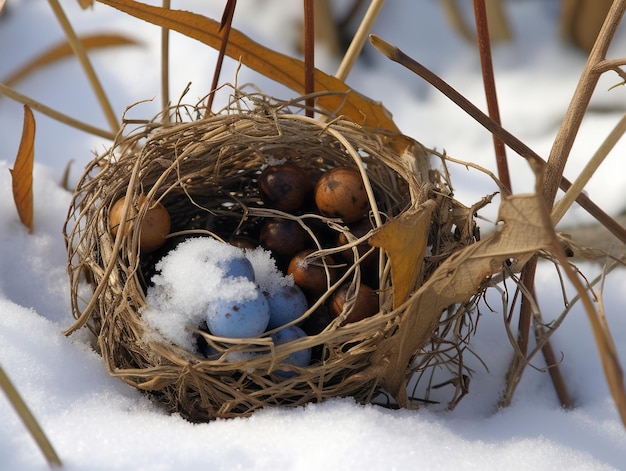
212 353
239 319
286 304
238 266
299 358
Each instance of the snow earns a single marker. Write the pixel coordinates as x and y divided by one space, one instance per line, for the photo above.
96 422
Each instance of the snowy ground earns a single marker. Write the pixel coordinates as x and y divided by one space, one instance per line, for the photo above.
96 422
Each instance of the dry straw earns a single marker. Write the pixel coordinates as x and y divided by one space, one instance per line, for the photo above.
204 170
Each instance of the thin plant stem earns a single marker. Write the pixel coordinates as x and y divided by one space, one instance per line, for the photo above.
225 26
29 421
165 65
358 41
82 57
396 55
561 207
553 368
484 48
566 135
309 55
558 158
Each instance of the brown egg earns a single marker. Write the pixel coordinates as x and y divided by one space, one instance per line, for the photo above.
369 265
358 230
284 186
155 226
243 242
283 236
311 275
340 193
365 304
317 321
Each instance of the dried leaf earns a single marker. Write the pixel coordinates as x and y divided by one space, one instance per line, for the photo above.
521 234
22 173
85 3
279 67
404 239
63 50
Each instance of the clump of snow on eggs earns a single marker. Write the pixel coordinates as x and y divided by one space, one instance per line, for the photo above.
232 290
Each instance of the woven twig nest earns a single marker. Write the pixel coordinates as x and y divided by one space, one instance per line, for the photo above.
205 171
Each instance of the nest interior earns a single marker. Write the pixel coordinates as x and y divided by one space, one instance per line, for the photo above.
205 172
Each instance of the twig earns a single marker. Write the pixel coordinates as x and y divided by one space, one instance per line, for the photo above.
29 420
165 65
227 21
553 368
396 55
561 207
82 57
309 56
608 64
358 41
554 178
484 49
566 135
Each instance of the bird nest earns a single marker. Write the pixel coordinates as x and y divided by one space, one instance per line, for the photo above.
205 171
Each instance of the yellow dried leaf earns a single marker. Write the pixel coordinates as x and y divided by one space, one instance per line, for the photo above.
279 67
63 50
521 234
404 239
22 172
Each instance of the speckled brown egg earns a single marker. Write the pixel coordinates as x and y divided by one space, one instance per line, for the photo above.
284 186
155 226
283 236
310 275
365 303
340 193
358 230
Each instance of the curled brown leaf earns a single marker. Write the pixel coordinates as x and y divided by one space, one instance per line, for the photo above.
22 171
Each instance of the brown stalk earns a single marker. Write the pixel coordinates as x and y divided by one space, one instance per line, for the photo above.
484 49
566 135
554 175
225 26
561 207
528 278
309 55
165 65
396 55
29 420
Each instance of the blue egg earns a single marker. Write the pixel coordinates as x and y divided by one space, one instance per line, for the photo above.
212 353
239 319
286 304
299 358
238 266
241 356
